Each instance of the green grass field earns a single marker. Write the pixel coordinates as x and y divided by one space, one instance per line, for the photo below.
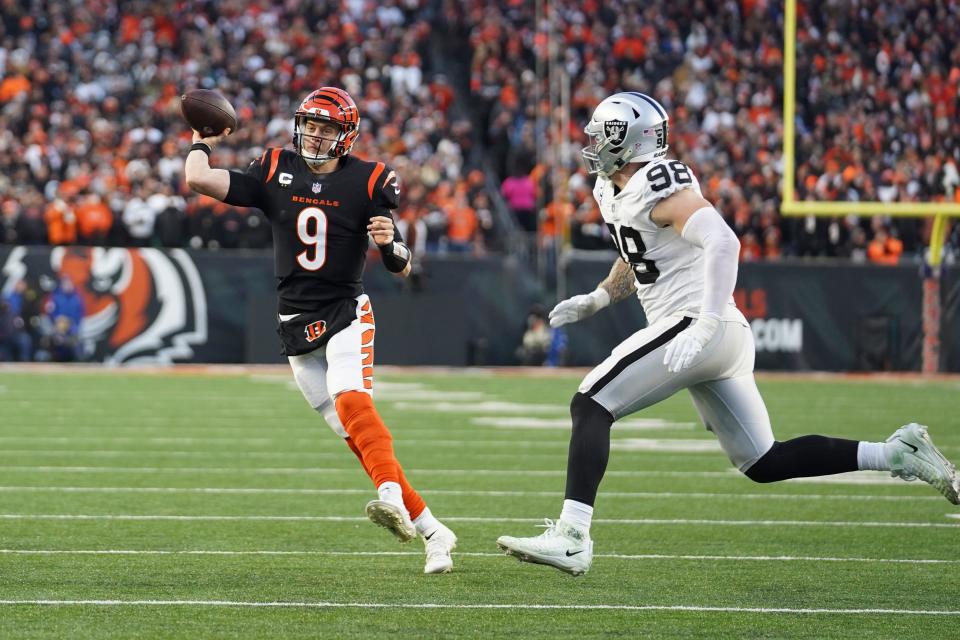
218 505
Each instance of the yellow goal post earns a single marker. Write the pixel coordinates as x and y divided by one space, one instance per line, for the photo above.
939 211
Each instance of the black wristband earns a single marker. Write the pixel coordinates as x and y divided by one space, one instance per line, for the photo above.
396 256
201 146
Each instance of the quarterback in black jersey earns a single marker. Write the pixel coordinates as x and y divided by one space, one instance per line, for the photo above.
323 206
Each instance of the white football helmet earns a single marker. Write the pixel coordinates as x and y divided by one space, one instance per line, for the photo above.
626 127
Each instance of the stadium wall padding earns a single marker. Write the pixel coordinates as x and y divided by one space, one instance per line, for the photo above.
152 305
805 316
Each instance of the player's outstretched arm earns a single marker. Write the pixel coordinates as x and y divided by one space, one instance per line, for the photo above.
200 176
617 286
620 284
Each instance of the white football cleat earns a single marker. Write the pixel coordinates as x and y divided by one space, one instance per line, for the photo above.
392 517
438 546
915 456
562 546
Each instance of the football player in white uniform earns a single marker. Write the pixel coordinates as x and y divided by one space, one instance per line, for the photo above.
681 257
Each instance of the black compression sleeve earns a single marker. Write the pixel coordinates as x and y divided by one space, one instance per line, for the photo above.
396 256
245 191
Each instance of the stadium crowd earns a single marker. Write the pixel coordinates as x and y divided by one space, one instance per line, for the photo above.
876 107
92 142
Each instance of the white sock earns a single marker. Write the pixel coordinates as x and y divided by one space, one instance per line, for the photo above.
577 514
425 523
391 492
873 456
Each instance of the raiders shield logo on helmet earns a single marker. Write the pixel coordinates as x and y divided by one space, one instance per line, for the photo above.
143 306
615 130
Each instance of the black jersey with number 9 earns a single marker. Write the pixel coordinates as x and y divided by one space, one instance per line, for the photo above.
319 222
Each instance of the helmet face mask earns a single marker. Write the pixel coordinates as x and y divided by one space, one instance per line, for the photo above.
315 137
626 127
326 106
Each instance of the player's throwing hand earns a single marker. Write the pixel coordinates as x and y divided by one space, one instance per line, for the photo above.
210 141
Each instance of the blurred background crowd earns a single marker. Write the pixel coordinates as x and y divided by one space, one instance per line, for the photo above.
456 95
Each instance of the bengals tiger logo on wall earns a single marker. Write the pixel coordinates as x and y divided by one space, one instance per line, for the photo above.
141 306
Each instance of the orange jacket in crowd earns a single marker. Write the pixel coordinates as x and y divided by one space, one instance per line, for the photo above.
94 217
13 86
884 249
61 223
461 223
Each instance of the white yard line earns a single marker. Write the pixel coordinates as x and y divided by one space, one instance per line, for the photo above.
373 554
667 445
643 495
861 477
629 424
330 470
324 439
432 605
147 440
612 521
430 395
489 406
147 453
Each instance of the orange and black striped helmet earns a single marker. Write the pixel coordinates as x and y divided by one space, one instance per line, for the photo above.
333 105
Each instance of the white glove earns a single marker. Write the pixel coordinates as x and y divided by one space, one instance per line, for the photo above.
688 343
579 307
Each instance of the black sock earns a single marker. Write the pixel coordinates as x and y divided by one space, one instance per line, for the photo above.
589 448
804 457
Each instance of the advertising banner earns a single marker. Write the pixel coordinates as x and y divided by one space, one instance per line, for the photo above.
824 317
152 306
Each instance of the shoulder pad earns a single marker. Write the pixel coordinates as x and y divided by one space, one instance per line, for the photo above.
383 187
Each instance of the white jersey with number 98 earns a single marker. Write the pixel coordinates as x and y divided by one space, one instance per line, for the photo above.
668 269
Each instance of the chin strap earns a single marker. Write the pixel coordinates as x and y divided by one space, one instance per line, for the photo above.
317 162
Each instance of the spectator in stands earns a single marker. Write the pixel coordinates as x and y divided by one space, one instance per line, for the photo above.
61 223
94 218
61 343
519 192
66 302
771 243
857 246
884 248
139 218
19 340
8 344
537 337
487 239
750 249
169 208
462 225
60 324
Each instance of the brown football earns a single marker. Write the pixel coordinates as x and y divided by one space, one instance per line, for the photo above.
208 112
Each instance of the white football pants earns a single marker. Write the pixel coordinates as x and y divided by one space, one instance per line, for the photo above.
345 363
720 380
